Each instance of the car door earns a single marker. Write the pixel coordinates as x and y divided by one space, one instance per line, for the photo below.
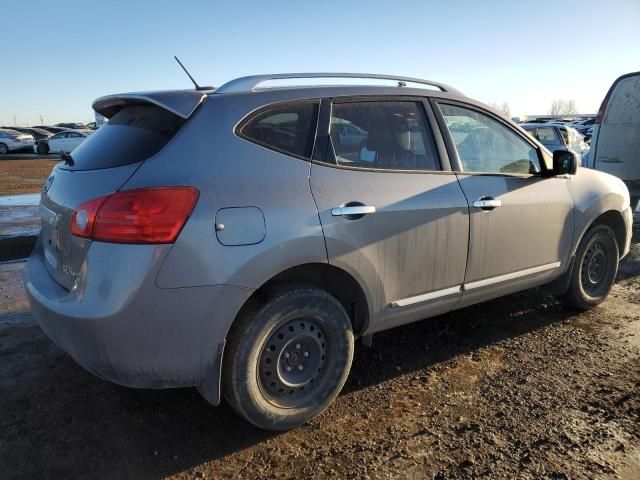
56 143
521 218
392 212
73 140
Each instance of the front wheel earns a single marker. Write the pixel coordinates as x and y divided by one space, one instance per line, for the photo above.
594 270
3 148
285 363
43 148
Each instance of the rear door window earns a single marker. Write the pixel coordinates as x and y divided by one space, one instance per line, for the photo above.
132 135
287 128
382 135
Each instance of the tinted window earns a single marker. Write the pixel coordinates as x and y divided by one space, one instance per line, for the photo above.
132 135
486 145
386 135
59 135
74 135
288 128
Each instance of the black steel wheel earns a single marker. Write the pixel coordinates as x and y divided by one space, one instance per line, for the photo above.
288 360
292 361
43 148
595 268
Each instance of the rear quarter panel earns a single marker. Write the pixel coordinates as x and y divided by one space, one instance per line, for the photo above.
232 172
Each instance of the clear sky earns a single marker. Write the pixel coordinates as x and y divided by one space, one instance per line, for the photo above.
60 55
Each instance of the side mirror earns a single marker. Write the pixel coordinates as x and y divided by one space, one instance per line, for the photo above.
564 163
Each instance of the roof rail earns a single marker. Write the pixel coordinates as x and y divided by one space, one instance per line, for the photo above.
249 84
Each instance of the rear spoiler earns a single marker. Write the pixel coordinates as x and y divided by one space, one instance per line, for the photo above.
179 102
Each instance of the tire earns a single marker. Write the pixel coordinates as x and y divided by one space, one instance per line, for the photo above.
3 148
267 376
43 148
594 270
634 203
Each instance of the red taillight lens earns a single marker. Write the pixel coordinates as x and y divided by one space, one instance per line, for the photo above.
144 215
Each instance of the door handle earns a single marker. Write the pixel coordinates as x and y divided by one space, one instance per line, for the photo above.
354 210
487 203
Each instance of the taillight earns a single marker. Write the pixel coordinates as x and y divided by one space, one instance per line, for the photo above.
144 215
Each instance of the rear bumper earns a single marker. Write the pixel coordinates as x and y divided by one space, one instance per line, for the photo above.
118 325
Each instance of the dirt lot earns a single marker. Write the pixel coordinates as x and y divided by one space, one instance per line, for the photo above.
24 176
515 388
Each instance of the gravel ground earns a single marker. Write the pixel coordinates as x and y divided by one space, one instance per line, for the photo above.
20 175
515 388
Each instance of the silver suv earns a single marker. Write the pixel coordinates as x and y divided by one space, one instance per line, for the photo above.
240 239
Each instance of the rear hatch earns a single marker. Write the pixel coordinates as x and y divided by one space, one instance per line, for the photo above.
139 126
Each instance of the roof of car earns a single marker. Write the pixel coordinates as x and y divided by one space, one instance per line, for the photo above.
184 102
252 82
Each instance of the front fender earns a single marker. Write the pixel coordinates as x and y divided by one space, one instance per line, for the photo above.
595 193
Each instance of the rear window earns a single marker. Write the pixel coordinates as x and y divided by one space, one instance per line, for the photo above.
132 135
288 128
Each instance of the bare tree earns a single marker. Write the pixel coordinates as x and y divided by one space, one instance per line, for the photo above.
570 107
556 108
502 108
563 107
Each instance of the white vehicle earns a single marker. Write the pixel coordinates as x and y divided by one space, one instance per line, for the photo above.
615 142
65 141
13 140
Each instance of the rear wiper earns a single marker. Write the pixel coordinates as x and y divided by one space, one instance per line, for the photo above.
67 158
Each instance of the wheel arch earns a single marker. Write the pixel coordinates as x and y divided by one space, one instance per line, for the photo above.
611 218
614 220
332 279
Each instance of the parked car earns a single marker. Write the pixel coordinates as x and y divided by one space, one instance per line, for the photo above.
582 126
11 140
558 137
52 129
66 141
615 139
227 239
36 133
72 126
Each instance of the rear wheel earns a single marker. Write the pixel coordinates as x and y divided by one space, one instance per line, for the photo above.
3 148
595 268
285 363
43 148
